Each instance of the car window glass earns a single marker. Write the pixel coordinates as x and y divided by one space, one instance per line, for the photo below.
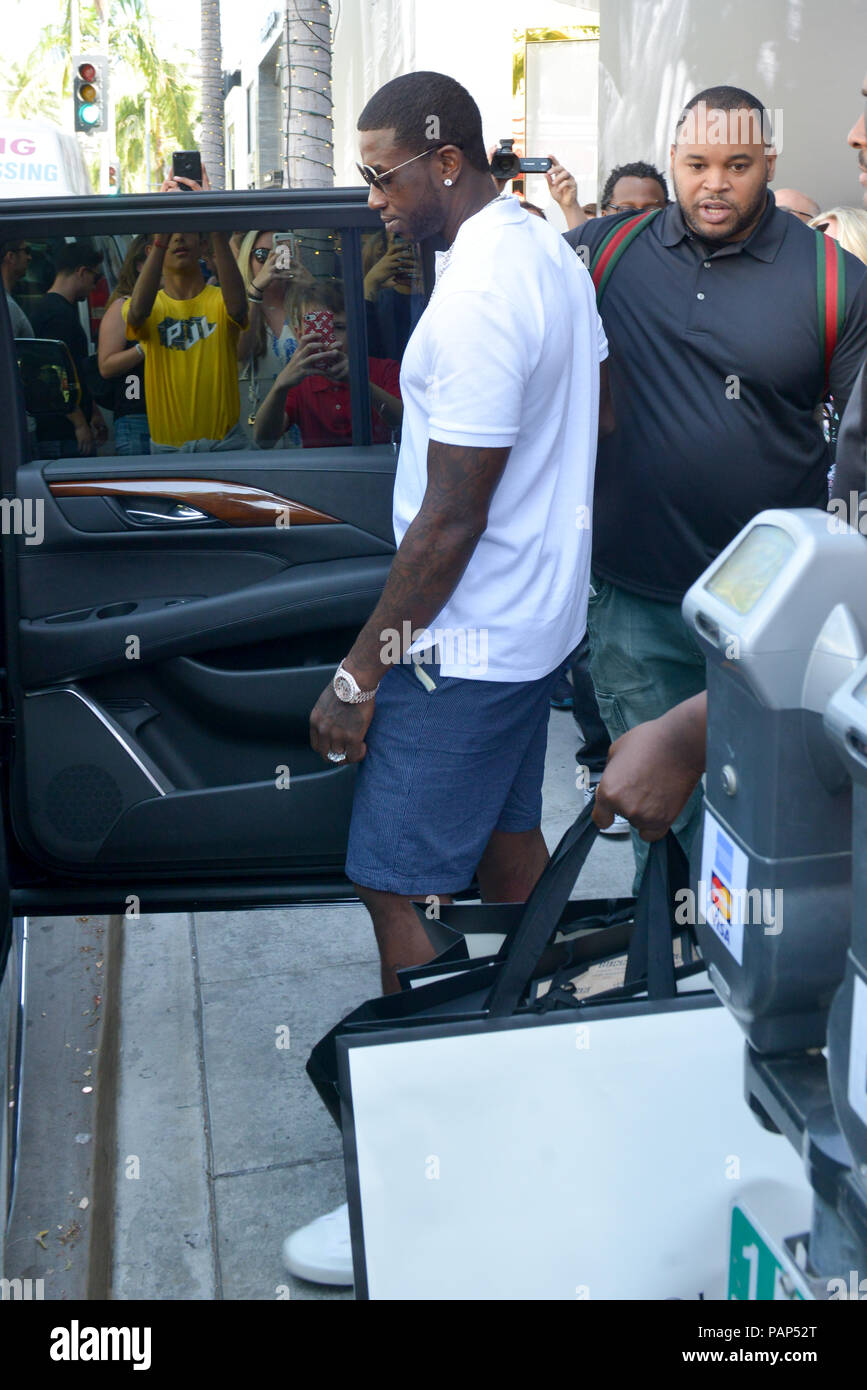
192 375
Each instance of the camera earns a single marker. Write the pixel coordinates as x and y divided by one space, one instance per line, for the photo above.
505 164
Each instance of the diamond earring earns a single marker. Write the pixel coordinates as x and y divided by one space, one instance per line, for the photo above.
448 182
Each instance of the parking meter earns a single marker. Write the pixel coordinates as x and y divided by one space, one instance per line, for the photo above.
782 617
846 722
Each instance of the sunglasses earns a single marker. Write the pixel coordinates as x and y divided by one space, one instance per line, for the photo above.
261 254
375 180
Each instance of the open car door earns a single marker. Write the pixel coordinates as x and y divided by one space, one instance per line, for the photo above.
171 618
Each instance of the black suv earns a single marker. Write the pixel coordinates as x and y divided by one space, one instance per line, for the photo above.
173 617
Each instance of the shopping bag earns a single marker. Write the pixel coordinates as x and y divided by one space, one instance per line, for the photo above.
590 1155
532 972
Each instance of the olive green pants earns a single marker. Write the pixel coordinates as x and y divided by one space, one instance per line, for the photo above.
643 660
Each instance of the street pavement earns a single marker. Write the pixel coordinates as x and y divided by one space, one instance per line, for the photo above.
223 1144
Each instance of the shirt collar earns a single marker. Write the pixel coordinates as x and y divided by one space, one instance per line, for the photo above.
763 243
318 382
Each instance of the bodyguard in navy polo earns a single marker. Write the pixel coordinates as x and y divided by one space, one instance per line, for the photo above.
728 322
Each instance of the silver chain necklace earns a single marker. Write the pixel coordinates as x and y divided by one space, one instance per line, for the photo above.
444 259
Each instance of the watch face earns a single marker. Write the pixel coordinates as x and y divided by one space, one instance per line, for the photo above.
342 688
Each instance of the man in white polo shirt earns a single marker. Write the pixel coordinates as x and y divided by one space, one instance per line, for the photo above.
492 499
500 385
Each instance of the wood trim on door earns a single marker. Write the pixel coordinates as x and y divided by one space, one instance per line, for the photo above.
237 504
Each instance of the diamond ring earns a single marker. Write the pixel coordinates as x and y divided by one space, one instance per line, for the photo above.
336 757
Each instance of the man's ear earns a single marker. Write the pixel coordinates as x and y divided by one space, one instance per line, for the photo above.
771 161
450 161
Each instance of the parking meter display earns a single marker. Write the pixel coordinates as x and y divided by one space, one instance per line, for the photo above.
745 576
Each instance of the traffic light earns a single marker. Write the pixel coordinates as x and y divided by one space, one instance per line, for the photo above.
90 91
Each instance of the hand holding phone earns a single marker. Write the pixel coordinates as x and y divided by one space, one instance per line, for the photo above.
320 322
188 165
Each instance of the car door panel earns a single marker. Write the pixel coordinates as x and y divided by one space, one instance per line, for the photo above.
170 673
62 646
172 634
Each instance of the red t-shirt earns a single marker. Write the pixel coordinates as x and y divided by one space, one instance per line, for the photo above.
321 409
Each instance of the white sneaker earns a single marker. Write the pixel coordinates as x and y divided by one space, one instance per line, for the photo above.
321 1252
619 826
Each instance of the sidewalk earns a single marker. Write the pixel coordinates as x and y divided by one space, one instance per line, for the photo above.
223 1144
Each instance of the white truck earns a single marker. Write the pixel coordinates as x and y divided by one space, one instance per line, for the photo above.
39 160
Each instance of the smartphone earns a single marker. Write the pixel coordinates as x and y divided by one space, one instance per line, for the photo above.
320 322
187 163
285 250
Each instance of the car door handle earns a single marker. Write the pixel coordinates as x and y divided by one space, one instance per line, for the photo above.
179 514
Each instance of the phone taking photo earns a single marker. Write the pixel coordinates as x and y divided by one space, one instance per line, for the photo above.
285 250
187 163
321 322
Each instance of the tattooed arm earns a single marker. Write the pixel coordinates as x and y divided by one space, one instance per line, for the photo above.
429 562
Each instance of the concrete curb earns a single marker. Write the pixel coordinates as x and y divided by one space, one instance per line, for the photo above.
101 1248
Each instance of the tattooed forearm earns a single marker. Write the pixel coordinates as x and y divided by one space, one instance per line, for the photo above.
434 552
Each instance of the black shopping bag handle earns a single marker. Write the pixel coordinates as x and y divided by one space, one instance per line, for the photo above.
542 913
651 956
650 952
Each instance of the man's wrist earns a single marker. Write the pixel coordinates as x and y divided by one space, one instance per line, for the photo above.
367 674
350 689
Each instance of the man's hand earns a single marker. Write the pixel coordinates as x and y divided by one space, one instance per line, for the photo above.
564 190
653 770
177 183
336 727
397 261
98 426
84 439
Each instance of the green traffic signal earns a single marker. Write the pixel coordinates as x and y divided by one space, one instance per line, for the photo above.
90 92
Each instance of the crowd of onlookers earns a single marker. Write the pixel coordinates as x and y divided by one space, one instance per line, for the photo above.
235 342
281 364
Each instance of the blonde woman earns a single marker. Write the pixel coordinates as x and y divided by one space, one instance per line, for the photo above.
273 276
846 225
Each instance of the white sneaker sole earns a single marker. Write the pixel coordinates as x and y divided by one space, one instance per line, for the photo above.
315 1274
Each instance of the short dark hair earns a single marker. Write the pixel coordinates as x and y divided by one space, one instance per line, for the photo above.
421 107
71 254
637 170
15 243
725 98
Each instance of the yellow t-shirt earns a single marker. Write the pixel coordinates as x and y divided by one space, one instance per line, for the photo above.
191 367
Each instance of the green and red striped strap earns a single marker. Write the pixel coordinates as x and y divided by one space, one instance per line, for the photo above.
830 296
612 246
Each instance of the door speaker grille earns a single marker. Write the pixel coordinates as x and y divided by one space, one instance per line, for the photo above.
83 801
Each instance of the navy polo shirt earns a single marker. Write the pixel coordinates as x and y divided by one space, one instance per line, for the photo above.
716 373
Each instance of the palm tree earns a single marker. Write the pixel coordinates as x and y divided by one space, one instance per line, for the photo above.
27 97
213 139
307 94
135 68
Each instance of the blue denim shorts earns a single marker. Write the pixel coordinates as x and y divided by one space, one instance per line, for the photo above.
445 767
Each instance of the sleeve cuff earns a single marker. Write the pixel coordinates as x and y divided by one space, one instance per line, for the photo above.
472 439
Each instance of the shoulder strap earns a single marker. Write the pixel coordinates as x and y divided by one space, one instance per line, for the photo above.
830 296
612 246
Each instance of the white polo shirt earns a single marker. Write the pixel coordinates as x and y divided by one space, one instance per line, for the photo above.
507 353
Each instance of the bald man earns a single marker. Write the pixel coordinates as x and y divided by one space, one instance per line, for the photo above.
655 768
798 204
